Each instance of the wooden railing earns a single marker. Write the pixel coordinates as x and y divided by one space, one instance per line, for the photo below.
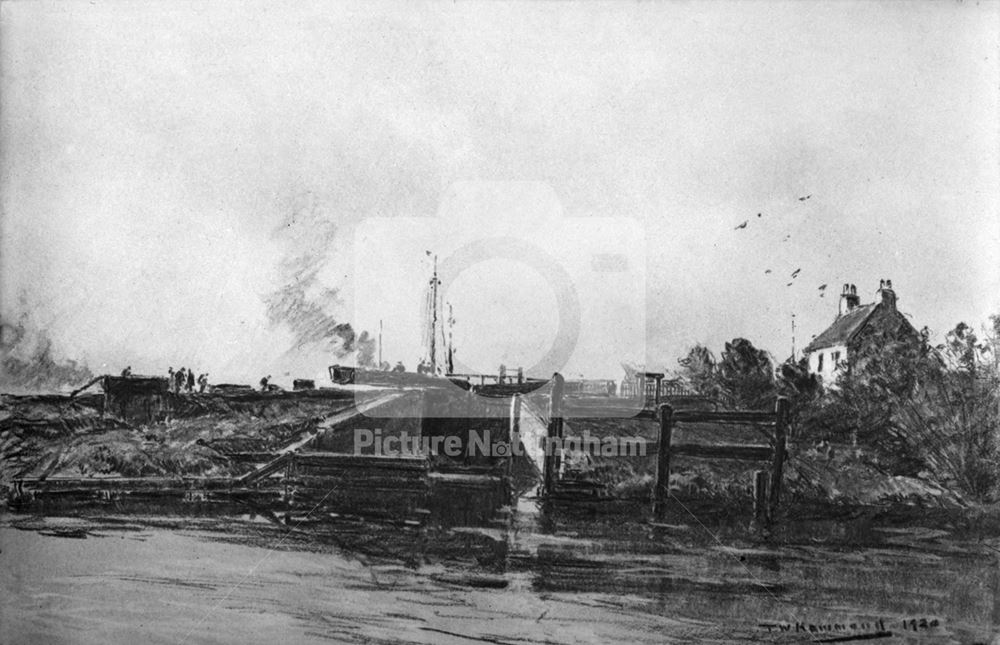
771 425
766 484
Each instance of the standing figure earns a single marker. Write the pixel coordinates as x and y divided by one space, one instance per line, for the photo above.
202 382
170 379
179 379
190 381
264 383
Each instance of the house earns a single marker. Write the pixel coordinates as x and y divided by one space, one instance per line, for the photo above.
857 325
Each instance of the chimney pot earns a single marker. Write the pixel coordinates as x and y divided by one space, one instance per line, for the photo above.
849 298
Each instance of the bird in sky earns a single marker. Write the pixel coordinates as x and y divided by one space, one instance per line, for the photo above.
789 284
758 214
795 273
767 271
743 225
802 199
822 287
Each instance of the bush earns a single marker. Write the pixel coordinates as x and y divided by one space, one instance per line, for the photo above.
921 409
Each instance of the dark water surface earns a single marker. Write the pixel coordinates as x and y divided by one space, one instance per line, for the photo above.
541 577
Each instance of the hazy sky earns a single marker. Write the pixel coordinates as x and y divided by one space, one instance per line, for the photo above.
167 167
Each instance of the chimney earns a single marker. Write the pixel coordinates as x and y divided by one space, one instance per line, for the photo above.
849 299
887 294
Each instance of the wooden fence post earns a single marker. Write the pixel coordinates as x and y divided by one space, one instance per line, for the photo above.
661 490
760 497
553 439
780 432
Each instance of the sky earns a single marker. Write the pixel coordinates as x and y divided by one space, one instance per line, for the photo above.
179 181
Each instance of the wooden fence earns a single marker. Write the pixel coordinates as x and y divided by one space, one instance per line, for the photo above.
772 426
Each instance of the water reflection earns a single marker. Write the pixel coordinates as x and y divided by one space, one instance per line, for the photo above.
857 566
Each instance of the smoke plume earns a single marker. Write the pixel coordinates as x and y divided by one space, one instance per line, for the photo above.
28 362
303 304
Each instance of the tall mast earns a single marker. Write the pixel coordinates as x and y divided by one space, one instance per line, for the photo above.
380 343
434 298
451 341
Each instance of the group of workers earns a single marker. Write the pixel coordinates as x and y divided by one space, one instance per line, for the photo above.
183 380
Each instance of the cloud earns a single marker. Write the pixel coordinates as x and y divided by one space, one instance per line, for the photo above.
154 161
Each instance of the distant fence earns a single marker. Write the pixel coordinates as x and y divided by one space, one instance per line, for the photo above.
654 389
592 387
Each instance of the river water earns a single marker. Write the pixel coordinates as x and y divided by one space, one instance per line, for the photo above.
540 577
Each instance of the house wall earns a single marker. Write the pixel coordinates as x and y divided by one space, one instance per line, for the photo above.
886 324
830 366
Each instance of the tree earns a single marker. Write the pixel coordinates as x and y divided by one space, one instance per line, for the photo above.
743 376
919 408
746 375
698 369
876 382
952 417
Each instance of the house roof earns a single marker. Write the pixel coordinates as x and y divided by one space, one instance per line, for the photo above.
843 328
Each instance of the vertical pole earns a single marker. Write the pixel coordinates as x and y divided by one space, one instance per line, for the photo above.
657 398
513 437
434 317
380 343
793 336
553 447
520 375
451 340
780 430
661 491
760 497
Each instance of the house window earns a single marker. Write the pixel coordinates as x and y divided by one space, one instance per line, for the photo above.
819 362
836 359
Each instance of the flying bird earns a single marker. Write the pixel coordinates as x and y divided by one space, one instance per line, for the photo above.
795 273
802 199
767 271
758 214
822 287
743 225
789 284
